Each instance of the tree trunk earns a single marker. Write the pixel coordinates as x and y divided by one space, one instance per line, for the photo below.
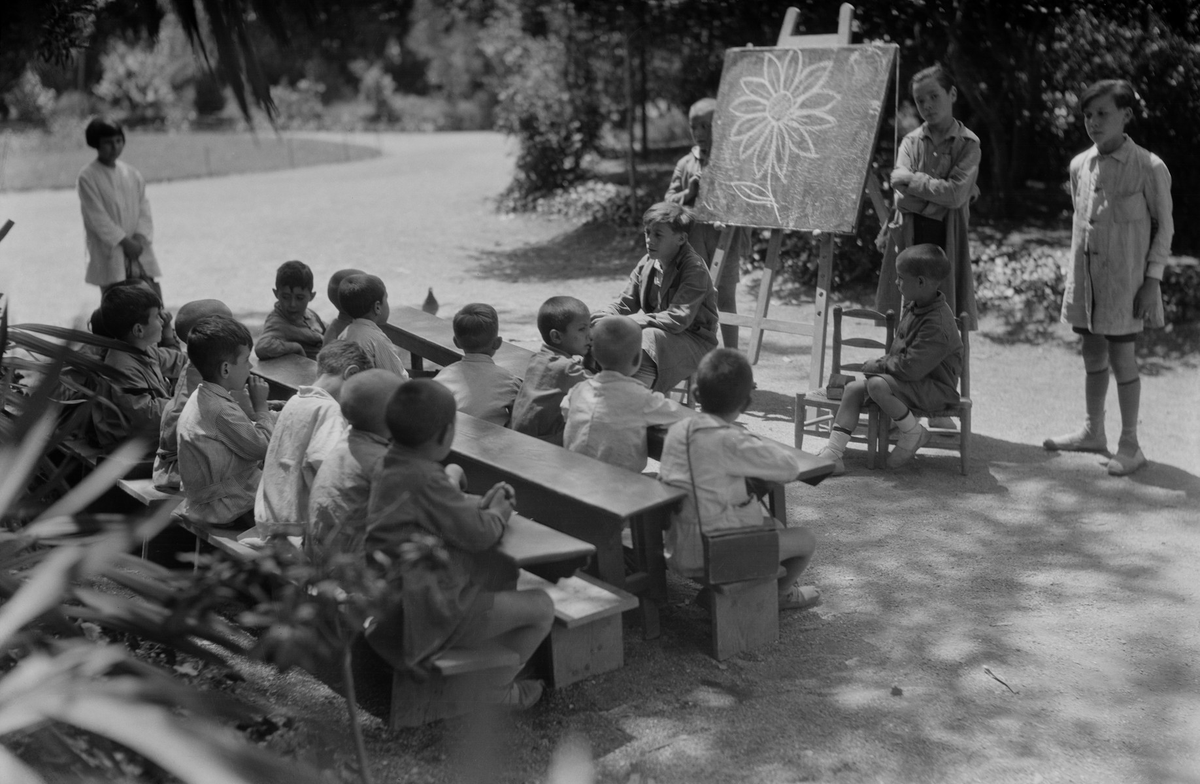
627 19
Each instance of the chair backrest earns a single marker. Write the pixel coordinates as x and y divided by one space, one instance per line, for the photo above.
874 317
964 382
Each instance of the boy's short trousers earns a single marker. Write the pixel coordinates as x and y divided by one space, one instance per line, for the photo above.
1126 338
922 394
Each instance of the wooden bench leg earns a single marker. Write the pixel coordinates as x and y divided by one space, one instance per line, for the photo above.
745 615
587 650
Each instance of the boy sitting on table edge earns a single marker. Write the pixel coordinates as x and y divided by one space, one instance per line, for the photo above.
711 457
291 327
364 298
921 369
566 327
481 388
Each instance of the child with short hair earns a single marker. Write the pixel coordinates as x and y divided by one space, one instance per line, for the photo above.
704 237
221 448
920 370
711 457
308 428
146 374
566 327
461 594
292 327
607 414
118 228
341 320
342 486
364 298
1120 192
481 388
166 460
934 180
670 297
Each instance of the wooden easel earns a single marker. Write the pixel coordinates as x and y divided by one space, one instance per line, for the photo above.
759 322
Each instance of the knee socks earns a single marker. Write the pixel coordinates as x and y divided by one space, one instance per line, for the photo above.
1129 398
907 423
1095 390
838 438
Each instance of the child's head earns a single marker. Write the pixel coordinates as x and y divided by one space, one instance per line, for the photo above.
477 329
934 94
1108 106
294 288
337 363
130 311
700 118
195 310
617 344
106 136
364 296
566 324
364 400
219 347
421 415
666 226
335 280
919 270
724 382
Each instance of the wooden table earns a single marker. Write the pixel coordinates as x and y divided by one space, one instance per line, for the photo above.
429 337
285 374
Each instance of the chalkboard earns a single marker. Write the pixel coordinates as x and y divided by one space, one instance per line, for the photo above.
793 135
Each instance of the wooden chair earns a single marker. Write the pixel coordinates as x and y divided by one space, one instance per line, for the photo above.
826 407
953 440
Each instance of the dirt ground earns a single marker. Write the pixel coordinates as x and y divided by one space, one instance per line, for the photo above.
1034 621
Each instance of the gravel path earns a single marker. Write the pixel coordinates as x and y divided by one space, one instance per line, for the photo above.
1077 590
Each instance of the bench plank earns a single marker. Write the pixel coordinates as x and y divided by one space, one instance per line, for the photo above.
530 543
580 599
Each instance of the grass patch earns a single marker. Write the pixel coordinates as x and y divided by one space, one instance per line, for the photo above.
34 160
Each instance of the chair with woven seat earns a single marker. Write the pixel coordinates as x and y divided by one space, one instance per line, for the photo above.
826 407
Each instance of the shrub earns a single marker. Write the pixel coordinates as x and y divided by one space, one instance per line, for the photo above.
1023 285
377 87
299 107
1181 293
209 100
136 80
29 100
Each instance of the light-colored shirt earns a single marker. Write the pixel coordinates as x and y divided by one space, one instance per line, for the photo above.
481 388
382 351
220 451
722 456
607 416
114 206
308 429
537 411
342 487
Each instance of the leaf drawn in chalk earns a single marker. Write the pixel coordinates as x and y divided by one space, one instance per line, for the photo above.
753 193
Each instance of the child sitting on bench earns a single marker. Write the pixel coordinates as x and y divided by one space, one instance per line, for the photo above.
364 298
481 388
341 320
711 457
920 370
306 431
166 460
131 312
670 296
439 547
221 448
607 415
566 327
292 327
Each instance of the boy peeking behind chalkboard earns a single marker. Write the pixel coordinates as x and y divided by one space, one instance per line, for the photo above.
703 237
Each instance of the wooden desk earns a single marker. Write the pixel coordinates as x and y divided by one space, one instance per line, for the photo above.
285 374
579 496
429 337
530 544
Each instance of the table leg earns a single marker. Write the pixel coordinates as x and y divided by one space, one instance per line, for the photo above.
648 553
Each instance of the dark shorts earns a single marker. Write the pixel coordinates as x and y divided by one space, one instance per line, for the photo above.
923 395
1127 338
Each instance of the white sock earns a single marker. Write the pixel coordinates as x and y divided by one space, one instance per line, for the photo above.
908 424
837 442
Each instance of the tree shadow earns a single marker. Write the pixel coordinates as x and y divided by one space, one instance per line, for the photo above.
592 250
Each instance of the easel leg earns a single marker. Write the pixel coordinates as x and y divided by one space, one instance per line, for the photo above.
816 367
770 267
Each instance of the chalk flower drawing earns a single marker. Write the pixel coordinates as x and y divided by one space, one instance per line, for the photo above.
777 114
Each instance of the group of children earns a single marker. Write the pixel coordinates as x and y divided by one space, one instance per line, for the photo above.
359 452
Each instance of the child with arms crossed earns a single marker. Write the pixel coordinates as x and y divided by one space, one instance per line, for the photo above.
566 327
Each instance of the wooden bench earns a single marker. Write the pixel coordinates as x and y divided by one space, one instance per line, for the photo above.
428 337
741 572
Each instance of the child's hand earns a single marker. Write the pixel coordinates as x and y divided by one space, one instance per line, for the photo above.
901 179
457 475
258 389
501 498
692 192
1145 302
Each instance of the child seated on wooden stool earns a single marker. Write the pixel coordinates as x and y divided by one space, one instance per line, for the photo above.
307 430
292 327
566 327
221 446
711 458
460 592
364 298
341 320
920 370
670 297
166 460
607 415
481 388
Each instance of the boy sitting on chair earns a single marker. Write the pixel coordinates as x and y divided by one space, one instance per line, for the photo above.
292 327
711 458
481 388
566 327
920 370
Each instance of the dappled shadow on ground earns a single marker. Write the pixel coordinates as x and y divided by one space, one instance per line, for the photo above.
591 250
1158 350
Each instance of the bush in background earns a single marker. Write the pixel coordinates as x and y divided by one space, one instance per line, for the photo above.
29 101
136 82
209 99
300 107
